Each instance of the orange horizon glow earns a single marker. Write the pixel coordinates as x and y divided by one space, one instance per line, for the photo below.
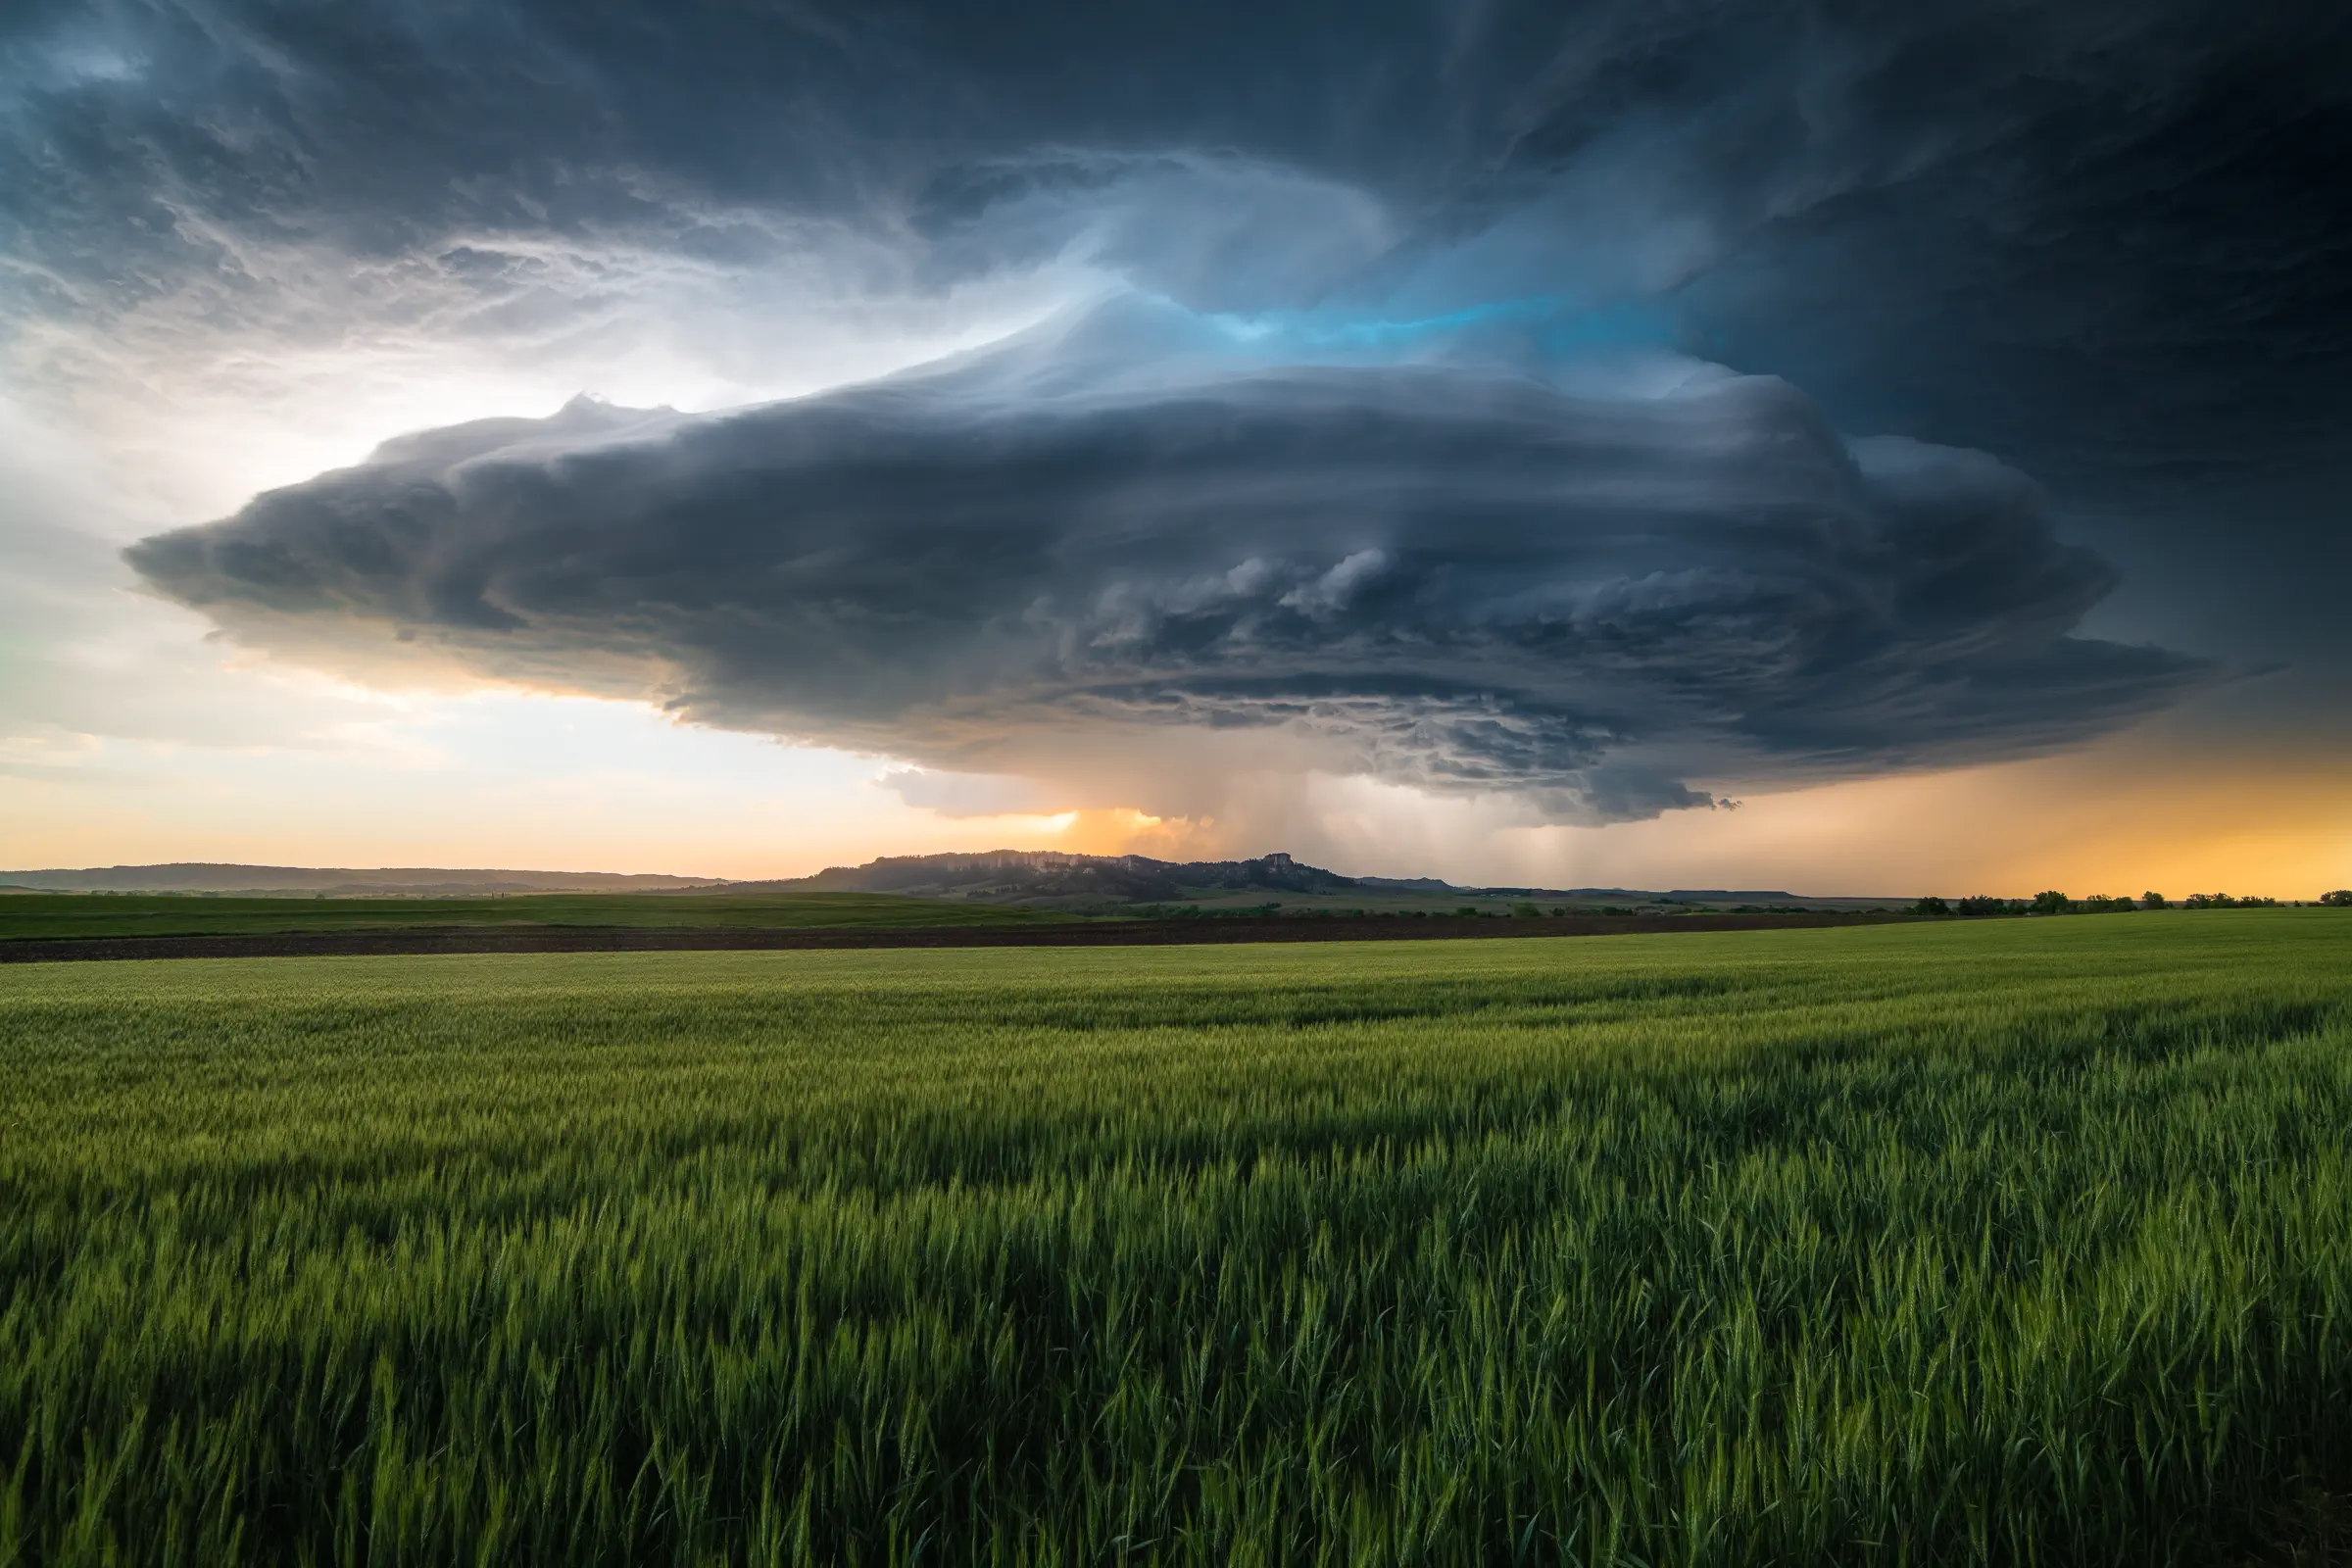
2008 831
535 781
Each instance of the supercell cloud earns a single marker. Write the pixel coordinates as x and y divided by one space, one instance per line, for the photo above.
1446 574
1603 403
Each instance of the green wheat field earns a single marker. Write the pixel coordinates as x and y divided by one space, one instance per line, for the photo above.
2017 1242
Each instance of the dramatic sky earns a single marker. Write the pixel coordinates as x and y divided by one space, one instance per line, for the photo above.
1842 446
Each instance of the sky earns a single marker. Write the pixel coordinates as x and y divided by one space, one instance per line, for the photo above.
1842 447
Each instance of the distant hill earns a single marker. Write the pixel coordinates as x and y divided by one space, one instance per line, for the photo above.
1045 875
1053 877
414 881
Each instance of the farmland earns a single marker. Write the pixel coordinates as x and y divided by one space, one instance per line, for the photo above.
41 916
2012 1241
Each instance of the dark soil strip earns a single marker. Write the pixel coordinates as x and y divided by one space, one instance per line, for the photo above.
711 939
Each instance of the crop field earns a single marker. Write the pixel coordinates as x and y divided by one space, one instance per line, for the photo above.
2019 1241
41 916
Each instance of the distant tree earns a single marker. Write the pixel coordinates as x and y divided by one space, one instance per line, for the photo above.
2153 900
1981 903
2340 898
2050 901
1467 909
1932 906
1559 908
1525 911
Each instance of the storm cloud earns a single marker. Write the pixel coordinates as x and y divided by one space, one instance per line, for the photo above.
1604 404
1445 575
2138 199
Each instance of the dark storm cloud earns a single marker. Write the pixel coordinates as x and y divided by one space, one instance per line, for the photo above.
2154 245
1502 139
2103 240
1454 579
2094 235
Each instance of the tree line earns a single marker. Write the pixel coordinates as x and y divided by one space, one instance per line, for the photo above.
2051 902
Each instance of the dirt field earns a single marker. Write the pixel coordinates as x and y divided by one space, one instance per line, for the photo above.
695 939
